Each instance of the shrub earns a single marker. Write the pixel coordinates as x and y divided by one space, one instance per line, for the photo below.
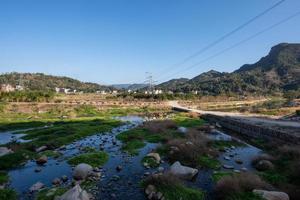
160 126
172 188
8 194
188 150
237 184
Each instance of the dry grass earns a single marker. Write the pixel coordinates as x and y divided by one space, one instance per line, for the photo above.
160 126
165 179
291 152
239 183
189 149
193 115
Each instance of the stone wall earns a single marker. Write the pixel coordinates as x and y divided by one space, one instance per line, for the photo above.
251 130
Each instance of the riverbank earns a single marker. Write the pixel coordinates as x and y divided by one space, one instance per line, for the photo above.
128 158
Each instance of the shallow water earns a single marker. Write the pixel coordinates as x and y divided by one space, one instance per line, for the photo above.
124 184
10 136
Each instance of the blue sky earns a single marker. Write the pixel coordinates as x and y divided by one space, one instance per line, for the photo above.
117 41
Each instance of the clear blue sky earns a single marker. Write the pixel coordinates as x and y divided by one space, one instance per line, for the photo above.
117 41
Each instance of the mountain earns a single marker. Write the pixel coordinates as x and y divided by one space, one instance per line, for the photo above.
40 81
277 72
173 84
135 86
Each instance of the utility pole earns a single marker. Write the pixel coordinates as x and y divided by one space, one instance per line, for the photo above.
150 82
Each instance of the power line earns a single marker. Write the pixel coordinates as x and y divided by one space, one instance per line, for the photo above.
236 44
212 44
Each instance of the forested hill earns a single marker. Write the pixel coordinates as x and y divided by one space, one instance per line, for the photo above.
279 71
40 81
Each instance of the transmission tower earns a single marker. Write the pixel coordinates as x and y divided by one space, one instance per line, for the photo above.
150 81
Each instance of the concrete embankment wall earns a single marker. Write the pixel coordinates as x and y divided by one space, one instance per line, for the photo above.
251 130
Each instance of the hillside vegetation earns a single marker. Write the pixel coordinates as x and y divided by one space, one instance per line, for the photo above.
40 81
277 72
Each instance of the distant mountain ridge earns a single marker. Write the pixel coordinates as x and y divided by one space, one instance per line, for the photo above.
40 81
278 71
134 86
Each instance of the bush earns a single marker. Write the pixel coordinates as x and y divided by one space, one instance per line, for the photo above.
188 150
237 184
160 126
172 188
7 194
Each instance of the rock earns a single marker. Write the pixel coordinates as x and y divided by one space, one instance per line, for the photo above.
272 195
147 173
63 147
82 171
239 161
159 195
42 148
36 187
38 169
42 160
119 168
160 169
182 129
4 151
64 178
264 165
75 193
56 181
228 167
150 189
244 169
155 156
226 158
183 171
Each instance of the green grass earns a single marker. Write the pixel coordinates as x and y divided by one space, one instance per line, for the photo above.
273 177
150 161
180 192
94 159
219 175
50 194
208 162
61 133
65 132
133 146
245 196
134 139
221 144
25 124
7 194
14 159
185 121
3 177
88 149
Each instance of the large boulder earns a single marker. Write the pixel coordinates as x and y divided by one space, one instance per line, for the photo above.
42 160
4 151
272 195
75 193
264 165
155 156
183 171
82 171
